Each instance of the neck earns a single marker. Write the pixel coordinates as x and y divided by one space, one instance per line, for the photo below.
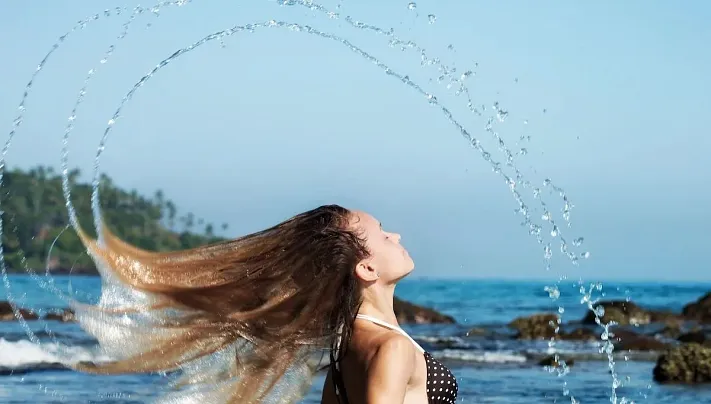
378 302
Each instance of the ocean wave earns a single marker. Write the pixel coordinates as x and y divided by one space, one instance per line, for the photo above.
480 356
25 356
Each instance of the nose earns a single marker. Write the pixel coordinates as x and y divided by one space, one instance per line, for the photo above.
396 236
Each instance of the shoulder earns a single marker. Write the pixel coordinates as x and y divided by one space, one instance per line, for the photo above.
395 345
391 369
395 353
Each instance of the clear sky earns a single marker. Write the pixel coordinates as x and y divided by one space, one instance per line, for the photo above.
278 122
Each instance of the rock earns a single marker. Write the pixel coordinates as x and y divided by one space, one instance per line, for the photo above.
687 364
627 313
476 332
625 340
670 331
6 313
700 310
551 361
537 326
407 312
696 337
581 334
66 315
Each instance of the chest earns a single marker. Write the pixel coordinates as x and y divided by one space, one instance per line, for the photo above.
441 385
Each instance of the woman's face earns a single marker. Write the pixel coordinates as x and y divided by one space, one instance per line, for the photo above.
389 260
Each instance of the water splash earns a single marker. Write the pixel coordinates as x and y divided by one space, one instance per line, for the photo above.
46 282
448 75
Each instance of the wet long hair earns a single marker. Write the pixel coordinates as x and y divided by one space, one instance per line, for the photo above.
243 317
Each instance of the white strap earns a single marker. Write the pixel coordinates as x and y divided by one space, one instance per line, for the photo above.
390 326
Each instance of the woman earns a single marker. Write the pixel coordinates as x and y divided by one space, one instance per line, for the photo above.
246 316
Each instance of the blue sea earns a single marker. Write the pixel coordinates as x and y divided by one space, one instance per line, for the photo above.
490 365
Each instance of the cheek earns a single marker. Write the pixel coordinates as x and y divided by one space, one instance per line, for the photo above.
389 257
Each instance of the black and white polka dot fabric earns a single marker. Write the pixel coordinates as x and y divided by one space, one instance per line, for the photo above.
441 384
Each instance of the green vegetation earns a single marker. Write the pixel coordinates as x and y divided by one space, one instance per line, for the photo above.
34 214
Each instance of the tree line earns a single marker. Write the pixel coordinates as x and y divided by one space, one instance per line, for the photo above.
34 219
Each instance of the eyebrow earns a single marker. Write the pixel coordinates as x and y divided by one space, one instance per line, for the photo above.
381 225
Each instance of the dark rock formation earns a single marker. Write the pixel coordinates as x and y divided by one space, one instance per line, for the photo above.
628 313
537 326
407 312
686 364
672 331
6 313
64 316
477 332
696 337
581 334
625 340
700 310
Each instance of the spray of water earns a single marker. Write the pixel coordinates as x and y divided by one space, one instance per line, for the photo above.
516 181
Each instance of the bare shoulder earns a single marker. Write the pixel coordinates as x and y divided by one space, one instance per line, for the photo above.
395 347
391 369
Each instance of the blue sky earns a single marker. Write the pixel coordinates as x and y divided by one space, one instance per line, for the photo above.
278 122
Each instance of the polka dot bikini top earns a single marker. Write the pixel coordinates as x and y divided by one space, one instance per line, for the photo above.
441 385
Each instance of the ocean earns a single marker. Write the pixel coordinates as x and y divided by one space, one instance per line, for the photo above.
491 365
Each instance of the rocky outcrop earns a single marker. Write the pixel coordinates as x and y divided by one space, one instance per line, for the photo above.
542 326
625 340
537 326
407 312
623 312
581 334
7 314
65 315
700 310
685 364
672 331
696 337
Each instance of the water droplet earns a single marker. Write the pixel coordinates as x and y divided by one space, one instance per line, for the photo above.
412 6
553 292
525 121
561 310
546 215
578 241
523 151
450 47
432 18
111 122
585 255
547 252
554 231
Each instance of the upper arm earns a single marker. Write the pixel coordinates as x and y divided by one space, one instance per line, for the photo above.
390 371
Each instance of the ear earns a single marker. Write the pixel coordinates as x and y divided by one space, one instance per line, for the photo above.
365 272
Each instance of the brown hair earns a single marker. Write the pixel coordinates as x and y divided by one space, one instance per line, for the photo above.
270 299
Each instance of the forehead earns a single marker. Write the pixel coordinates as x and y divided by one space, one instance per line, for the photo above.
364 221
